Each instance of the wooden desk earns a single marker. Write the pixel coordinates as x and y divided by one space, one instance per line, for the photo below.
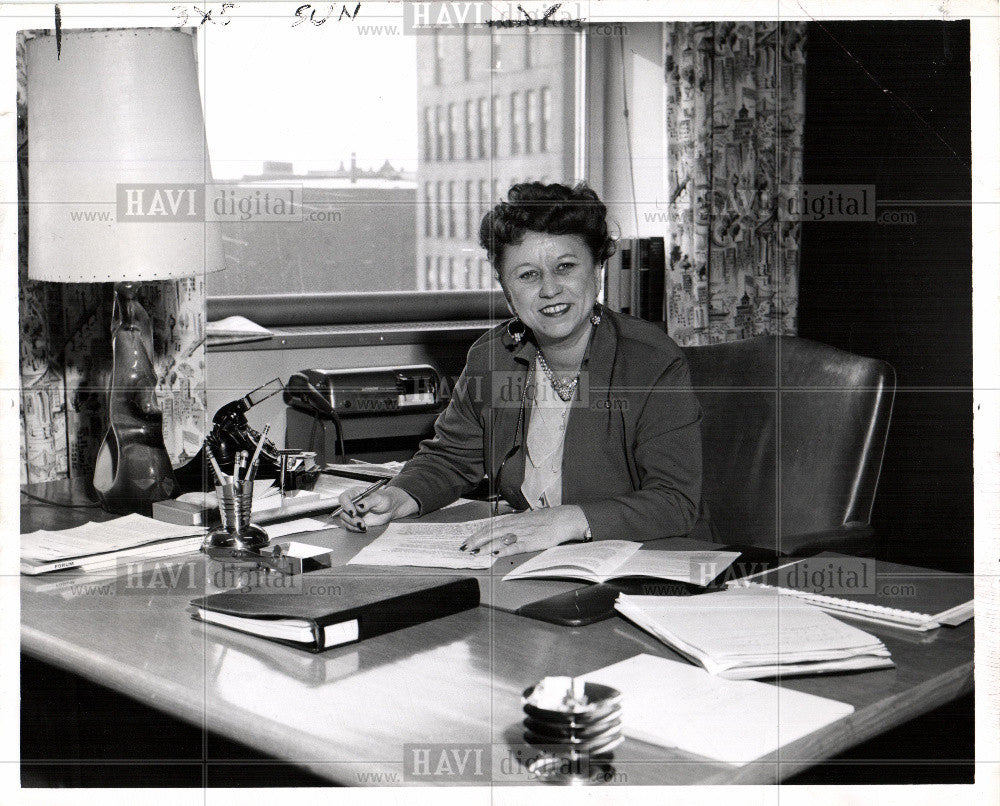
349 714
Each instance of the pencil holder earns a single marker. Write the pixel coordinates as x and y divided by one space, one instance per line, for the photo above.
236 530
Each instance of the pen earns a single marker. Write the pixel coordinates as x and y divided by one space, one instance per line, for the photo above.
252 472
363 494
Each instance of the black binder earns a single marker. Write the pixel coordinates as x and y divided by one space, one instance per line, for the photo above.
372 605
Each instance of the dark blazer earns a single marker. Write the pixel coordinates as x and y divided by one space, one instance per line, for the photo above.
632 452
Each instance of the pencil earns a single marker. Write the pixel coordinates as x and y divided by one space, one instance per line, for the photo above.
252 472
219 475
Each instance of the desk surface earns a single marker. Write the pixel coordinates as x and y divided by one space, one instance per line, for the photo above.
346 714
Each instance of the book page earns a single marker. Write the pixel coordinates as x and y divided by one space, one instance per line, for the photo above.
596 561
431 545
695 567
98 537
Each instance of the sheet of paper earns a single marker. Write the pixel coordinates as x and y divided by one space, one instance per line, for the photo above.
672 704
282 528
99 537
600 558
696 567
432 545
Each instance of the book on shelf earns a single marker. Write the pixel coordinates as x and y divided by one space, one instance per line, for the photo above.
618 559
746 634
341 610
899 596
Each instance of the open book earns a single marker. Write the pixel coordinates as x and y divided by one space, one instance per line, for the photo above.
614 559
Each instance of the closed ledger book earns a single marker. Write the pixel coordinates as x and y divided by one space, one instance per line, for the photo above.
344 609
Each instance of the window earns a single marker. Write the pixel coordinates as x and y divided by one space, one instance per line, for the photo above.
438 58
466 54
528 42
428 210
531 101
495 194
470 130
444 141
546 121
442 125
442 281
452 130
428 135
497 124
485 274
495 49
468 274
469 210
451 209
439 216
484 125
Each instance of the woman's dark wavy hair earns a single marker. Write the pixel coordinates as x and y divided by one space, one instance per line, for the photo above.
555 209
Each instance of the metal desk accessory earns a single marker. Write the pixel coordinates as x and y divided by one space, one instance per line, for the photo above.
574 726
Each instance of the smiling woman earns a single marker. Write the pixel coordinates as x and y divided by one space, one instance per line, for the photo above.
582 419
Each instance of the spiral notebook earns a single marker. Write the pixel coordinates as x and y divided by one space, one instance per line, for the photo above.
884 593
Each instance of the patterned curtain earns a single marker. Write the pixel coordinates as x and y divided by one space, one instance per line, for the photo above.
65 352
735 111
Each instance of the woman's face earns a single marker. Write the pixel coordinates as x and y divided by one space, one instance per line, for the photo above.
551 282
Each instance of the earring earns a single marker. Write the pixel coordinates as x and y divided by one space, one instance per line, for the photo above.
515 329
595 317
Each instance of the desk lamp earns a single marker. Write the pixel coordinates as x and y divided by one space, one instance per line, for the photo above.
107 109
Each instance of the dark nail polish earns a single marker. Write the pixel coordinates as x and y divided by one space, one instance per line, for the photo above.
463 547
474 551
496 552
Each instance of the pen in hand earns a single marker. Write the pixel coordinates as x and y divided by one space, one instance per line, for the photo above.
359 497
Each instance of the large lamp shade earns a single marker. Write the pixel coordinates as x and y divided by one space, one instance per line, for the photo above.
107 108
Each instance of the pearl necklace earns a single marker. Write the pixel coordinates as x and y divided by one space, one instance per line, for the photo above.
565 389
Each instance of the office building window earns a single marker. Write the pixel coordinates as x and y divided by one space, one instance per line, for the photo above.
428 132
470 130
468 273
469 210
528 42
442 126
484 126
451 209
515 123
438 58
531 102
495 191
439 270
429 274
439 215
428 207
545 124
485 274
494 49
498 113
466 54
452 129
483 200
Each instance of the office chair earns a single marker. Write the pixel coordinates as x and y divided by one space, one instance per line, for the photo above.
793 438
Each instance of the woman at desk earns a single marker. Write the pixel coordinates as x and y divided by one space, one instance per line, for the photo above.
582 418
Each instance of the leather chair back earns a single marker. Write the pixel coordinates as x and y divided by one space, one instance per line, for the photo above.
793 437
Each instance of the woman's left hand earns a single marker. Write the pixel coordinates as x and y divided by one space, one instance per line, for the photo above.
528 531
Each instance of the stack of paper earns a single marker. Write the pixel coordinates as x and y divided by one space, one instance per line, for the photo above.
674 705
101 545
428 545
749 634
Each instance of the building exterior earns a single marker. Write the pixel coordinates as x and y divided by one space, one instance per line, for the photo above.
496 108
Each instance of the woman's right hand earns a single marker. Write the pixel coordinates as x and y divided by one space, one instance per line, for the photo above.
380 507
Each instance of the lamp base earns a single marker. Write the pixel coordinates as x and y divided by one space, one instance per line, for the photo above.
133 469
